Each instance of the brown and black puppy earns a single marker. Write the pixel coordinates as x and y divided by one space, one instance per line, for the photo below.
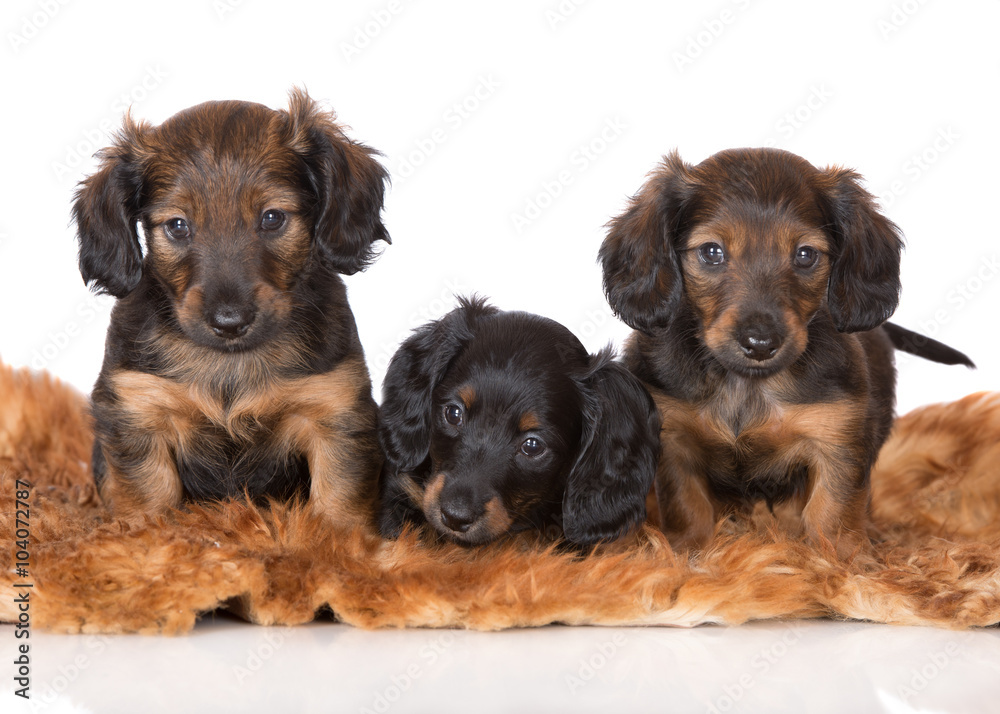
232 362
759 287
494 422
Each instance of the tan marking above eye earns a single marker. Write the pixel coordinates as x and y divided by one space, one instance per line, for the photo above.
702 236
468 395
812 239
165 213
528 422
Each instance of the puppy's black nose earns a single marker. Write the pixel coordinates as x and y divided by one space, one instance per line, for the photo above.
231 321
760 340
458 515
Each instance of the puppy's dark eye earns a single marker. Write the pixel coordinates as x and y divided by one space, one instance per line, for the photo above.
711 253
532 447
177 229
453 414
806 256
272 219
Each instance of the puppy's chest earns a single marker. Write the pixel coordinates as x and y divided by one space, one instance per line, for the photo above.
190 412
744 425
244 412
749 426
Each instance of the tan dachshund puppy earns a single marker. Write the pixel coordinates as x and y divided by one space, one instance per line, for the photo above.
759 287
233 363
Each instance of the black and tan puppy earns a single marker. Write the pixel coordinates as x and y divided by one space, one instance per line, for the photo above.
759 287
232 362
494 422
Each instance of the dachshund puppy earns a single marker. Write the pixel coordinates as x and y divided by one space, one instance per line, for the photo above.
494 422
232 363
758 287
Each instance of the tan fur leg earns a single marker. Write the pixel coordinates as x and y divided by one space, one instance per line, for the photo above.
343 473
141 472
687 510
687 513
153 487
331 418
836 510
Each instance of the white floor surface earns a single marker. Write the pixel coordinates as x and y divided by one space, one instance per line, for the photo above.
226 665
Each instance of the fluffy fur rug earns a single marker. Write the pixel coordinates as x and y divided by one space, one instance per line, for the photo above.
935 558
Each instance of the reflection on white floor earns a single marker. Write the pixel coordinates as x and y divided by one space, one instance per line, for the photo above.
226 665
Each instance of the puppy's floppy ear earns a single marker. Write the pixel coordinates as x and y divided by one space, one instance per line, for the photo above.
620 448
414 371
106 209
642 277
864 278
348 182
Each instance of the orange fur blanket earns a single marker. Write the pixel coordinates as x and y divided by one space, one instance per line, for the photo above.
935 558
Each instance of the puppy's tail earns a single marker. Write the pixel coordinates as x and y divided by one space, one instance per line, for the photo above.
917 344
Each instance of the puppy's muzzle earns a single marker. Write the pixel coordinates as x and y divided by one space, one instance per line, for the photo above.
760 336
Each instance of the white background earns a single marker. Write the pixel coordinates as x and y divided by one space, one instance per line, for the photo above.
903 91
906 93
